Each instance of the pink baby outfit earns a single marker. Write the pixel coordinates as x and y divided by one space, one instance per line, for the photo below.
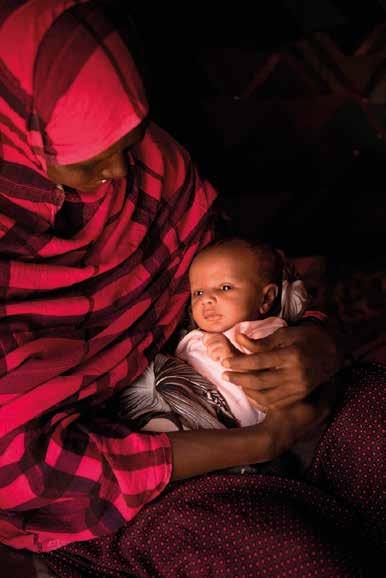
192 350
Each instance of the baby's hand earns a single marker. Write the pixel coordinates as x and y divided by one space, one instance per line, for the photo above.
218 346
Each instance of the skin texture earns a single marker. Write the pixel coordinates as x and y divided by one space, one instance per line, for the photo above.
285 366
109 164
283 369
199 452
227 287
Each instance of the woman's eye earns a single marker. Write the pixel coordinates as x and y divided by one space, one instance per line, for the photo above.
85 168
90 170
226 288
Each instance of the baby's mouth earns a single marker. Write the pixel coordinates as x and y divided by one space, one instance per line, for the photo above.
211 316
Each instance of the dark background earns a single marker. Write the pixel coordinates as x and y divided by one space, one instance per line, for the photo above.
296 146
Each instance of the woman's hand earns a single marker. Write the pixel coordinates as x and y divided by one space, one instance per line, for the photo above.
285 366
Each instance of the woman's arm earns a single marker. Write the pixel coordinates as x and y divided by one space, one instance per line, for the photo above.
66 478
200 452
76 478
287 365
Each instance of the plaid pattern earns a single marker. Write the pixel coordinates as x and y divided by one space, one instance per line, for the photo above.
91 286
330 522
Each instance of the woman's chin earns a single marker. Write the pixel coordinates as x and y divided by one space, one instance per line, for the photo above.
88 188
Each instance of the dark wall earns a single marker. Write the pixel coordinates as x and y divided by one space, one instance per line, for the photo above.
280 115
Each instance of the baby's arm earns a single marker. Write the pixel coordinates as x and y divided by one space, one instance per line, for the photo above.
218 346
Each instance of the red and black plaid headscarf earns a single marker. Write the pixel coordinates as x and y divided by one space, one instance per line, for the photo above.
91 285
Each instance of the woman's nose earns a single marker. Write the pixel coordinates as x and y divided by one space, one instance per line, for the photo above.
115 167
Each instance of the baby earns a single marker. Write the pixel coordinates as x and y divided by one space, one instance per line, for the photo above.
235 285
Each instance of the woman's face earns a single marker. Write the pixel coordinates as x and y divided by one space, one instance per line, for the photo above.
109 164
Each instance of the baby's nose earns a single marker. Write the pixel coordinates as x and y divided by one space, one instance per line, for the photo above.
209 298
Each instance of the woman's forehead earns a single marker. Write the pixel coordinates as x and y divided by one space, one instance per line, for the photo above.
129 139
75 88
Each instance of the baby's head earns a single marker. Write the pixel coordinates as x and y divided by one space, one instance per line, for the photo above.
233 281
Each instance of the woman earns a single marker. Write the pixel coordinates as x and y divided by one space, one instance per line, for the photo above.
101 215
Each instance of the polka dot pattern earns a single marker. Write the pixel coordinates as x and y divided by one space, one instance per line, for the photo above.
350 461
246 526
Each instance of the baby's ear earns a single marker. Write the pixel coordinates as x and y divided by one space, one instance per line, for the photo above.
269 294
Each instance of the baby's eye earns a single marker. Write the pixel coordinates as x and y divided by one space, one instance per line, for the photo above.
226 287
198 293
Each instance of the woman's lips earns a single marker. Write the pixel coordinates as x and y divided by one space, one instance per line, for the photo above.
93 186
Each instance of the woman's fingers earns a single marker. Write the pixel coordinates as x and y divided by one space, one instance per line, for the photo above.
256 380
272 378
276 398
277 340
271 387
257 361
285 366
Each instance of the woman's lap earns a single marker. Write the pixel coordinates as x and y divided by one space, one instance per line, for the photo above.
260 525
349 461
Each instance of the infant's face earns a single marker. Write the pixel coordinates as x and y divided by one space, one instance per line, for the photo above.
225 287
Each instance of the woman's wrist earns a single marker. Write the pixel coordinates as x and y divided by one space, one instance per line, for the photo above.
203 451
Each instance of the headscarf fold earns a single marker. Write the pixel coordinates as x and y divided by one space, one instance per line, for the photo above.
91 285
71 86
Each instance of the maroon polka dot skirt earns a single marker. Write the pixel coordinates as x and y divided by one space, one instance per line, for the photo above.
329 523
